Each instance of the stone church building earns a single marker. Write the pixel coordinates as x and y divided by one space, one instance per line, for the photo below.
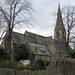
43 47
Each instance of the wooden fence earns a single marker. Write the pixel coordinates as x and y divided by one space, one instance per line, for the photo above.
62 68
4 71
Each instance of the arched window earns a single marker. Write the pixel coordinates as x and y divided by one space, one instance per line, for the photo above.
57 33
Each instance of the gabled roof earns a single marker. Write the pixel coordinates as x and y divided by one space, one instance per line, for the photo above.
31 37
18 38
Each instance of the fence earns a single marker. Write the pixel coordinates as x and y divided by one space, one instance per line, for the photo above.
62 67
66 67
18 72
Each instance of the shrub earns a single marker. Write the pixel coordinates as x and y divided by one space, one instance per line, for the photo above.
47 63
34 67
71 54
21 66
32 56
41 63
2 64
67 55
31 63
21 52
3 54
11 64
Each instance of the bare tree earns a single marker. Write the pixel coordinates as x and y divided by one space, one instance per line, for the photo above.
2 29
69 22
14 12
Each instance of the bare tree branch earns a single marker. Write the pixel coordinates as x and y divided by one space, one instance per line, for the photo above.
69 21
11 11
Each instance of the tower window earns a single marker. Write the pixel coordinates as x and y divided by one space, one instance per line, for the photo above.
57 33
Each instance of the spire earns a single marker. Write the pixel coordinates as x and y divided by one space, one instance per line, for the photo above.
60 32
59 22
59 15
59 7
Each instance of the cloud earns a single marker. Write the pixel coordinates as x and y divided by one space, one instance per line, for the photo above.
36 30
44 10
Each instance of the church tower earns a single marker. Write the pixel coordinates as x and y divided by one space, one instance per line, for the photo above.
59 31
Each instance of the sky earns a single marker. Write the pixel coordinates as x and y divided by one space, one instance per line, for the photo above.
44 16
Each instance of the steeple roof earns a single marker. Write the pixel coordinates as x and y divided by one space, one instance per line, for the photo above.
59 22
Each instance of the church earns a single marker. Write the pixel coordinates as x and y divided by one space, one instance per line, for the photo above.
43 47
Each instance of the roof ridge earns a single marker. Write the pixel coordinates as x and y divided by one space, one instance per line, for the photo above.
17 33
36 34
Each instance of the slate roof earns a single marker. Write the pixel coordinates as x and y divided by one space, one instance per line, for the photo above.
60 47
33 35
17 37
32 38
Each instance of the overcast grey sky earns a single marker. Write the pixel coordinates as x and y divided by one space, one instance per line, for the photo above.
43 15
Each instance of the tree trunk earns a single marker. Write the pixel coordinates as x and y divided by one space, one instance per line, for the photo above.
10 52
67 46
